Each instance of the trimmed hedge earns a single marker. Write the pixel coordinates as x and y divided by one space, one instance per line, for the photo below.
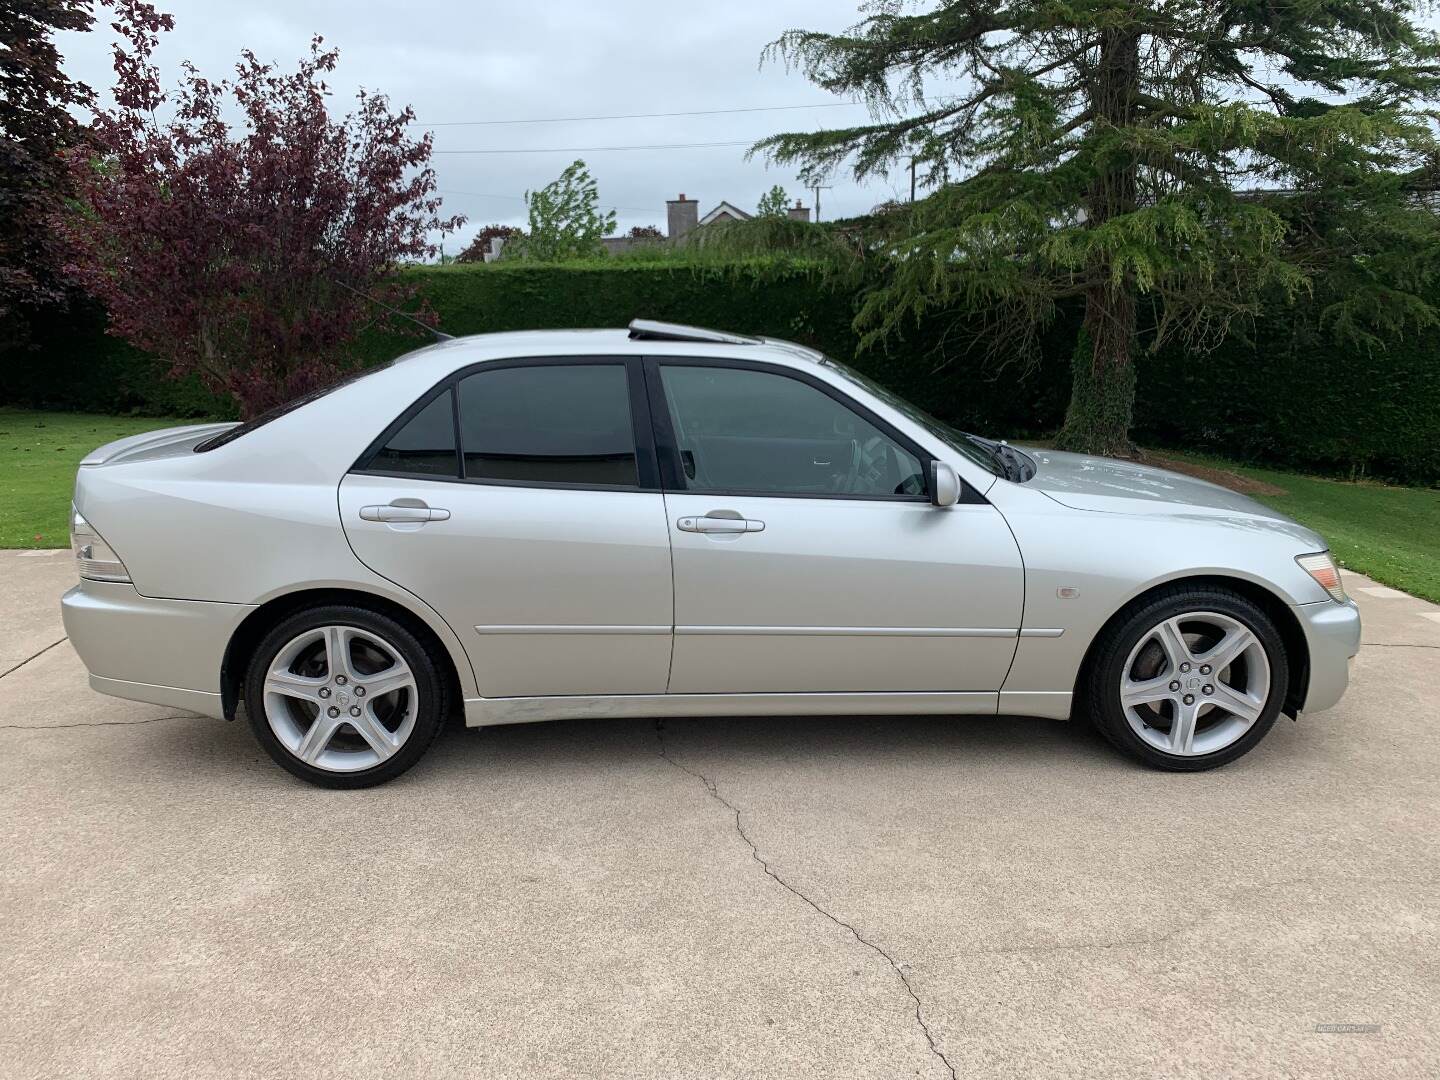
1290 397
74 364
790 304
1294 398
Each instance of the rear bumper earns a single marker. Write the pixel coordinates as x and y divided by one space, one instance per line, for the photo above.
1332 632
167 652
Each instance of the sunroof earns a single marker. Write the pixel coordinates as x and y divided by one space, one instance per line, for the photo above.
650 330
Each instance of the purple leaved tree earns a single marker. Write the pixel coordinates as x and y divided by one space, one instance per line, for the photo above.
231 252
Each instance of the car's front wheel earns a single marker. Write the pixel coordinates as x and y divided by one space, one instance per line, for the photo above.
1191 678
344 697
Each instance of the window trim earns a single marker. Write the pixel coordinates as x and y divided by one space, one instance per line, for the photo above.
642 430
672 477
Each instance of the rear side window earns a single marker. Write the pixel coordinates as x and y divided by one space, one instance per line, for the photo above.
426 445
549 423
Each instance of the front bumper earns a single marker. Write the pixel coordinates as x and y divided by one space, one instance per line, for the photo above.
1332 632
167 652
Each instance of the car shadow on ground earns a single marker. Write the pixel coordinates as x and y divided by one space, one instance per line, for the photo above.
560 747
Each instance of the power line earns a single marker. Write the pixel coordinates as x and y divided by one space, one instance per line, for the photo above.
640 116
521 198
599 149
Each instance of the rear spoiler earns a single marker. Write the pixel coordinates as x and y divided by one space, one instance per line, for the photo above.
151 440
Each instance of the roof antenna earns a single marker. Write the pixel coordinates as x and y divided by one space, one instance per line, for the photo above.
439 334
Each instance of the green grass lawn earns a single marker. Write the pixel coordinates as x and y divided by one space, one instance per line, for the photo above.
39 452
1391 534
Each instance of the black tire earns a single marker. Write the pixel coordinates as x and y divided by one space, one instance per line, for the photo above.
431 686
1101 682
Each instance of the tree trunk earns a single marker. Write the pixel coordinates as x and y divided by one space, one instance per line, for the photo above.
1102 392
1102 386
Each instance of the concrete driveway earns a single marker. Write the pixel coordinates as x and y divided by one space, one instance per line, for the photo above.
717 898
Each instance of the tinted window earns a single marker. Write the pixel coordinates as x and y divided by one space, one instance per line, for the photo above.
743 430
955 439
425 445
549 423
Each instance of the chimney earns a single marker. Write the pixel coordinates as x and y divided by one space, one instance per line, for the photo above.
681 215
798 212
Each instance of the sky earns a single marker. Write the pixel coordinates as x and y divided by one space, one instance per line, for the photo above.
456 61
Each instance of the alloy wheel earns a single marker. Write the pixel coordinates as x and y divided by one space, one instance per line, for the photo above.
1195 683
340 698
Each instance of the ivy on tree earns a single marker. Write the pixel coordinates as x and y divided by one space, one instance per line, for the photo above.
1170 166
239 255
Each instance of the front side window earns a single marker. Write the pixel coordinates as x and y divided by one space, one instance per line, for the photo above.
955 439
741 430
548 423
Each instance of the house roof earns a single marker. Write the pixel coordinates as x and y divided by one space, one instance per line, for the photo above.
725 209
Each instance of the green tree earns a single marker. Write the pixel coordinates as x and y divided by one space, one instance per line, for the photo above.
774 203
566 221
1168 165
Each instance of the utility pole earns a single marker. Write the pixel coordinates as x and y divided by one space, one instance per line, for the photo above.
912 178
817 188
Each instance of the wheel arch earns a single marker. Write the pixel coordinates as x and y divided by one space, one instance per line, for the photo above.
1292 636
255 625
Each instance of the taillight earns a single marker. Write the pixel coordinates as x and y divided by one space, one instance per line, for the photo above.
94 558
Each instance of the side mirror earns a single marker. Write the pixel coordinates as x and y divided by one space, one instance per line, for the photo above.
944 485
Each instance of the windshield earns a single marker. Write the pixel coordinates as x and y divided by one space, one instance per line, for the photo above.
952 437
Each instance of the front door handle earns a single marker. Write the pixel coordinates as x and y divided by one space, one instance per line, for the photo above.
404 513
708 524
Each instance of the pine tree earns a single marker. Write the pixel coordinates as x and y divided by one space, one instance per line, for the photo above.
1170 166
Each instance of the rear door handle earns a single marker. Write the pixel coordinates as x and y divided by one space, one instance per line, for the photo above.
404 513
708 524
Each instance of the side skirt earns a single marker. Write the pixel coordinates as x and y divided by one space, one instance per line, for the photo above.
1051 704
486 712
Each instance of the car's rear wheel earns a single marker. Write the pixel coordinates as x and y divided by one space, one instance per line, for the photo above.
344 697
1190 678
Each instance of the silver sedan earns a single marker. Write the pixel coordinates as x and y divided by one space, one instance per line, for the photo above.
675 521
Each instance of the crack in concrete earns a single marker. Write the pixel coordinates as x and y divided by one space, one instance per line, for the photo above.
102 723
1395 645
27 659
712 787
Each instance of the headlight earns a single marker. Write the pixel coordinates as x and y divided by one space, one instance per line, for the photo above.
93 557
1322 568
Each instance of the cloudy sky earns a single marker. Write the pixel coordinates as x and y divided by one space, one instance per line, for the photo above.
459 61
